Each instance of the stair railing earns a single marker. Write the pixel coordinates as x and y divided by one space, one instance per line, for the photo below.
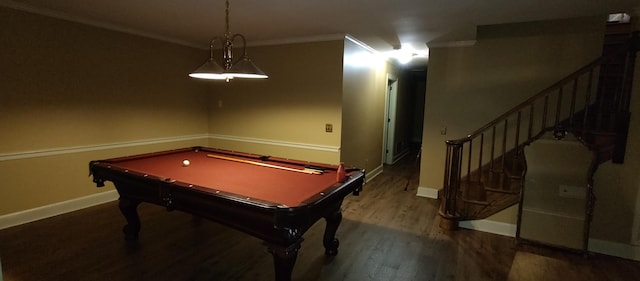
578 103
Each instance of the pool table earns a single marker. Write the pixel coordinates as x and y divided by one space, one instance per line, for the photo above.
274 199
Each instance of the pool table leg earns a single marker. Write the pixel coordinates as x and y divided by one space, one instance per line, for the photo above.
129 208
284 258
330 241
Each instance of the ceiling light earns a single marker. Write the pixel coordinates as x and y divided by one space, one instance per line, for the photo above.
406 53
405 57
242 68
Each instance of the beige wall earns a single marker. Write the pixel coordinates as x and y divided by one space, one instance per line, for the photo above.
77 93
286 114
468 87
71 93
310 85
363 100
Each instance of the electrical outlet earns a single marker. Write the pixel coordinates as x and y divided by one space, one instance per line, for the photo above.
569 191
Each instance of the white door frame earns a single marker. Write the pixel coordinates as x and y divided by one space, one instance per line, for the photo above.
391 99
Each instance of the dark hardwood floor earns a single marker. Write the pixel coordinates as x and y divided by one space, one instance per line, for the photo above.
387 234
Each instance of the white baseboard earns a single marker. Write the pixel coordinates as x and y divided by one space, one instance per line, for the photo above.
400 155
500 228
614 249
595 245
428 192
369 175
55 209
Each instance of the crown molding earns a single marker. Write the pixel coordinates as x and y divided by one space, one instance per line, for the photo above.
119 28
449 44
100 24
302 39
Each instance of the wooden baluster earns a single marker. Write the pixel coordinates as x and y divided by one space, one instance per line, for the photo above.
469 162
530 131
472 192
587 103
600 98
572 109
480 157
558 107
517 136
447 167
504 152
493 147
544 113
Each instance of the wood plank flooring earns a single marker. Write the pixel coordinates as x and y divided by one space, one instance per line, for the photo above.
387 233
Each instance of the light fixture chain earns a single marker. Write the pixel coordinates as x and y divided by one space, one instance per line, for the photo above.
227 20
244 67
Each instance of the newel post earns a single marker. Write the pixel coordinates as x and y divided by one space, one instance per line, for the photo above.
623 115
451 187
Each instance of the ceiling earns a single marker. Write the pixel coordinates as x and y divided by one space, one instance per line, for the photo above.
381 24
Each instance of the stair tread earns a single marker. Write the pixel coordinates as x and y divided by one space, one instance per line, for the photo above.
497 185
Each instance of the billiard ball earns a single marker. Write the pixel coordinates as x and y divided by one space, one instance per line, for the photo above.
185 162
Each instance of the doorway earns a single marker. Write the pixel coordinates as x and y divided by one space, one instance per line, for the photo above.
390 119
404 114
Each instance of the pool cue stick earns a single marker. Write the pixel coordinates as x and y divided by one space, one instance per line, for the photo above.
311 172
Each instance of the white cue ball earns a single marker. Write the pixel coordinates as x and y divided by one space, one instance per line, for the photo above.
185 162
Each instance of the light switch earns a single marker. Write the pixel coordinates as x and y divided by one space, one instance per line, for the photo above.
328 128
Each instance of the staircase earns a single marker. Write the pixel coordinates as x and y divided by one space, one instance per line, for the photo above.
484 171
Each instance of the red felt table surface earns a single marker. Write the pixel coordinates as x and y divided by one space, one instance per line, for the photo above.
247 180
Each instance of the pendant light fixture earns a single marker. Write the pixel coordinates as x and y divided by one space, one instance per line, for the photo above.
242 68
